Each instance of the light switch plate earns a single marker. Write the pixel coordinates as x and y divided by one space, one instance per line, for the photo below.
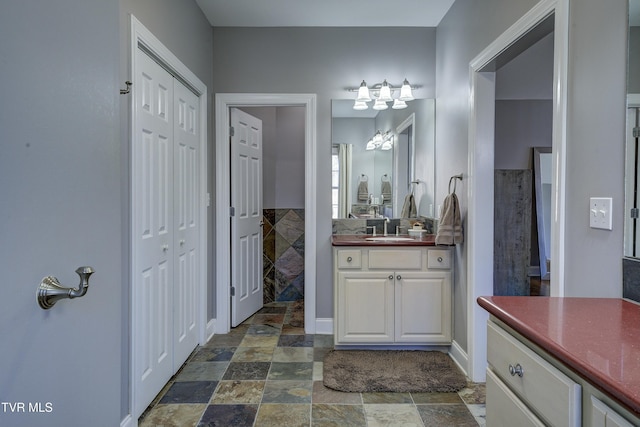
600 213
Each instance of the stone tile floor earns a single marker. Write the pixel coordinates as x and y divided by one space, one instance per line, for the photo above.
267 373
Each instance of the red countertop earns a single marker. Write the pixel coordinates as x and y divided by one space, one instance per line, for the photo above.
598 338
361 240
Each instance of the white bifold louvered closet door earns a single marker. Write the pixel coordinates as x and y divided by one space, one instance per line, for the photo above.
165 227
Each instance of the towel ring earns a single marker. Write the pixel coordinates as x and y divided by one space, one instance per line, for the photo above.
455 179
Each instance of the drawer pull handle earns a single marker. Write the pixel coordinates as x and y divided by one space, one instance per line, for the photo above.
516 370
440 259
391 277
349 259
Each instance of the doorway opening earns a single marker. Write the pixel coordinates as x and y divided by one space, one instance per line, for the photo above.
223 261
481 165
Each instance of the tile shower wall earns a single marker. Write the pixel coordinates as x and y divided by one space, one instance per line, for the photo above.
283 255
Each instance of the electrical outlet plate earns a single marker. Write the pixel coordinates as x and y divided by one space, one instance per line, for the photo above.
600 213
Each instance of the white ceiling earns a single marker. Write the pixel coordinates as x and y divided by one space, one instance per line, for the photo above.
324 13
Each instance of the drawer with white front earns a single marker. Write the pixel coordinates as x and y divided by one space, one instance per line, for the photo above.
349 258
439 259
552 395
395 259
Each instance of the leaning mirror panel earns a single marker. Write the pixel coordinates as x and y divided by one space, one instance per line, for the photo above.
632 167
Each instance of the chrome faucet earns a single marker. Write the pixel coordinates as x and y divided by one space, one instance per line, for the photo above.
384 224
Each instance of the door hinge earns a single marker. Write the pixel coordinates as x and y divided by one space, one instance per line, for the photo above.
232 211
233 291
635 213
232 131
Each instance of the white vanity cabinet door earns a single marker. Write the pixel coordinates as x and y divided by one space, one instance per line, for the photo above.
364 307
602 415
423 307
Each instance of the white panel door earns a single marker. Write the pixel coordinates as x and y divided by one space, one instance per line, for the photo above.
152 222
186 228
246 223
166 231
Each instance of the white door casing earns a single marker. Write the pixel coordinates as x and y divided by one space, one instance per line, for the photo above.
246 222
222 258
186 245
481 170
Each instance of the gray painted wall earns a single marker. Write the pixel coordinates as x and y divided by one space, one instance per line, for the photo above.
595 142
61 172
520 125
324 61
282 155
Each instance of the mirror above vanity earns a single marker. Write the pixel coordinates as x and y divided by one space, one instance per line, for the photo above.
374 182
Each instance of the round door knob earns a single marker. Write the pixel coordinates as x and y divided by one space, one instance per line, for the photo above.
349 259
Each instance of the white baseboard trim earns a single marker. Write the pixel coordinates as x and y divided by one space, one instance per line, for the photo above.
460 357
211 329
324 326
128 422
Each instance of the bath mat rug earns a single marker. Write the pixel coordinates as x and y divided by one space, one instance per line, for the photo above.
399 371
297 314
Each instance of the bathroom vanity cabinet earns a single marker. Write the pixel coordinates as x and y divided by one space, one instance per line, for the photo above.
392 295
549 364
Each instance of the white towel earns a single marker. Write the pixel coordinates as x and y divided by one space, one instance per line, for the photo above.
363 191
409 208
386 190
450 225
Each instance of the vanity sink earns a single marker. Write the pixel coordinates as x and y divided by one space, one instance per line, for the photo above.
389 239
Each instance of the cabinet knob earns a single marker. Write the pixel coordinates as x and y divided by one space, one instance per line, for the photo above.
439 259
399 277
164 248
516 370
391 277
349 259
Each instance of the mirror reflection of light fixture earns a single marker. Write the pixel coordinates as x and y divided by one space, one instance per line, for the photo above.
398 104
382 93
360 105
381 140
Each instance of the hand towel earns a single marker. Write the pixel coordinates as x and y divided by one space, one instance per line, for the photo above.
363 191
450 226
409 208
386 190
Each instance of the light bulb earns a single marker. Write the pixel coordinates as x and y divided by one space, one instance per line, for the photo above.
405 92
385 92
363 93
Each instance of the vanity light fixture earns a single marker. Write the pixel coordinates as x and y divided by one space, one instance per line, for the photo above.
382 93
